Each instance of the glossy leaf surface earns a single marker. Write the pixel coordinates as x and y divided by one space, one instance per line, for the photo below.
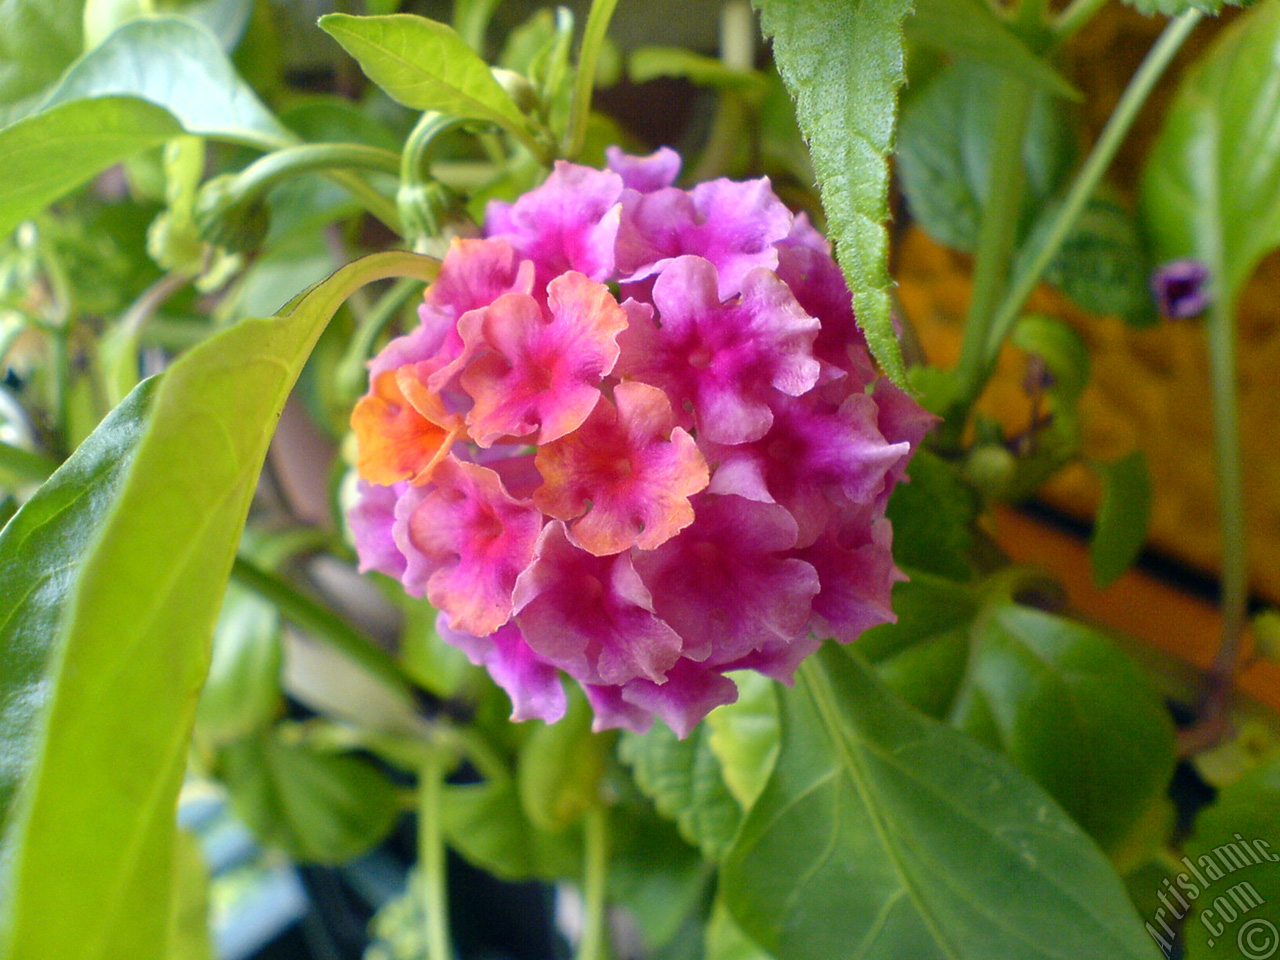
177 64
94 837
885 835
50 154
425 65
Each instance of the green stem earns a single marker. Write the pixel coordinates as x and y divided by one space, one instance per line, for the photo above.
431 856
325 625
1082 189
595 929
265 172
421 201
592 39
1226 445
1077 14
997 237
25 466
337 161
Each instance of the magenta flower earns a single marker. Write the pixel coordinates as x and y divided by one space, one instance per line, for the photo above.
465 540
644 495
592 616
625 478
529 372
723 360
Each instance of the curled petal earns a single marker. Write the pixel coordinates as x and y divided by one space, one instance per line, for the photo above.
726 584
857 579
534 686
645 174
371 520
628 468
725 360
473 274
394 440
591 616
732 225
690 692
466 540
805 265
816 458
568 223
533 373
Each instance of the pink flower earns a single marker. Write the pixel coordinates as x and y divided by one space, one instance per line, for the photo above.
644 495
625 477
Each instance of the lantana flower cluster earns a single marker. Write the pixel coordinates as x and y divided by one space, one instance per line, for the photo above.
637 438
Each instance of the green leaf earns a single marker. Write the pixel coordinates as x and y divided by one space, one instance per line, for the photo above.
560 767
933 517
971 28
725 939
1211 185
433 664
102 17
842 61
486 824
885 835
1058 699
1121 525
1102 264
1235 868
684 781
50 154
177 64
94 833
242 692
425 65
39 40
653 873
189 906
944 156
40 555
319 807
744 737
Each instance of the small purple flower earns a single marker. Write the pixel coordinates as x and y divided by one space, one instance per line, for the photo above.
1181 288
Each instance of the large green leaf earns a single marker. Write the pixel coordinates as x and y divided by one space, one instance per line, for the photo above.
971 28
38 40
684 780
1211 186
92 837
1073 712
885 835
50 154
427 66
177 64
40 554
842 60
